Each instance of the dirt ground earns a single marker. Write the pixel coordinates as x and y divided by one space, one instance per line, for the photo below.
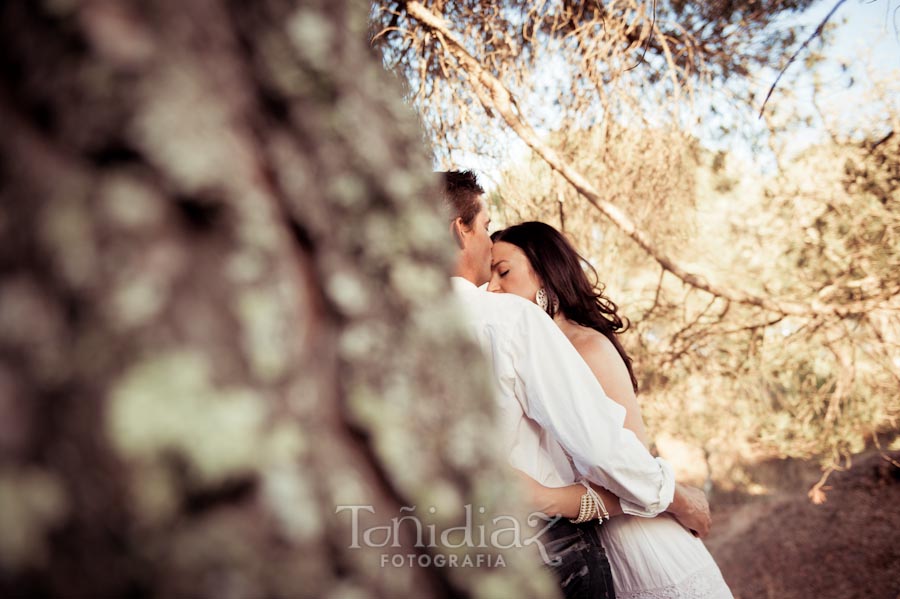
783 546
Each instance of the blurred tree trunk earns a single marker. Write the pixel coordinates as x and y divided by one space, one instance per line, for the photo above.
224 310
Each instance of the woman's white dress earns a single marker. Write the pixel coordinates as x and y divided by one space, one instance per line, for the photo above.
657 558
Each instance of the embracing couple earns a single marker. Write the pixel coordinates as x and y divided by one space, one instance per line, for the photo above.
568 414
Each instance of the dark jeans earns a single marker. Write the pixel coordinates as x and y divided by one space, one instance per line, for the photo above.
578 560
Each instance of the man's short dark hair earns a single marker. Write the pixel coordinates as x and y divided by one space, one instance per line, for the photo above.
461 194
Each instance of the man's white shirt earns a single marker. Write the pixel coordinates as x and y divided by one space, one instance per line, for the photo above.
550 404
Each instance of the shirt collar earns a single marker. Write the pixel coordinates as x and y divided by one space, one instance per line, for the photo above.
461 284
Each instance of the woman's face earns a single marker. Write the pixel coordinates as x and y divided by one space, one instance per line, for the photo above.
511 272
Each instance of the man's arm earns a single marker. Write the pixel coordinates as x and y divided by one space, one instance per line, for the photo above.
559 392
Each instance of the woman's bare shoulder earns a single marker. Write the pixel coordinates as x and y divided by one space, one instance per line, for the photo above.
593 345
599 353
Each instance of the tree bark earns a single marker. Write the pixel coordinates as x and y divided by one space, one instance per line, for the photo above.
224 311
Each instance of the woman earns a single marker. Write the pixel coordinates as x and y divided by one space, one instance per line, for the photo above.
651 558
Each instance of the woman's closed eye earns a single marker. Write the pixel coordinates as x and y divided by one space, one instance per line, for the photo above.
504 273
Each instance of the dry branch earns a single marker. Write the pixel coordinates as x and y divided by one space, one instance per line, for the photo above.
494 96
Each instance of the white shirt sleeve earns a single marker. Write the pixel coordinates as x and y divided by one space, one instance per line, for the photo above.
560 392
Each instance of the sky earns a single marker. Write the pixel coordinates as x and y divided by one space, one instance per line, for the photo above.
863 48
868 27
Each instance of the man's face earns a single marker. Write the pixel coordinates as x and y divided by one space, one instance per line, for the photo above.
478 245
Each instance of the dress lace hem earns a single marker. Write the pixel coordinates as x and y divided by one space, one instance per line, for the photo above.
706 583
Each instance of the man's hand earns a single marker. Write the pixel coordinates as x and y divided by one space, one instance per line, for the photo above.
691 509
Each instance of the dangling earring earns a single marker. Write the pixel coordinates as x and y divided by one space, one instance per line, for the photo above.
541 300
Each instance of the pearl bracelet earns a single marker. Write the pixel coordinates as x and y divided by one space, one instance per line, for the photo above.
591 505
588 508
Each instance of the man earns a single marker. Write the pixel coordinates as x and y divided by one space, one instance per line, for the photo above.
557 422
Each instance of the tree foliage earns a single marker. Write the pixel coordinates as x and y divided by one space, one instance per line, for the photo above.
591 62
764 300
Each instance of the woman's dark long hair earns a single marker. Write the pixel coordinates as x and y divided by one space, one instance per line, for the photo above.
562 271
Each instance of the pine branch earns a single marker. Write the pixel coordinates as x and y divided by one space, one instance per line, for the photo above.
495 97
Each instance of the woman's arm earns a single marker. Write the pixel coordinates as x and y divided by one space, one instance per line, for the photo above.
689 506
566 501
